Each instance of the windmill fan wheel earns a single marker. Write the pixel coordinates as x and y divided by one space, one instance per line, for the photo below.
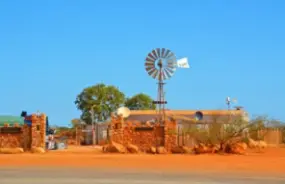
160 63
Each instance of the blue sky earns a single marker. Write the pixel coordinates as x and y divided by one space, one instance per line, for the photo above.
51 50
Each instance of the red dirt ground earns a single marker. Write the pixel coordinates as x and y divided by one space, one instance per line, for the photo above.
271 161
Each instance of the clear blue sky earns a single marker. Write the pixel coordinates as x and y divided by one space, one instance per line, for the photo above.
51 50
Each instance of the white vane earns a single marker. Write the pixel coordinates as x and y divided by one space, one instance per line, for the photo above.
183 63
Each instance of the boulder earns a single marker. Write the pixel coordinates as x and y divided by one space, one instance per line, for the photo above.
236 148
242 145
181 150
186 149
38 150
261 144
161 150
252 143
114 147
152 150
11 150
214 148
132 148
201 148
177 150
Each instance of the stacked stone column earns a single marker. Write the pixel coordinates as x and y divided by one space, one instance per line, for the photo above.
38 130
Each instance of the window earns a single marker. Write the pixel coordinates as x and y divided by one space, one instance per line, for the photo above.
118 126
38 127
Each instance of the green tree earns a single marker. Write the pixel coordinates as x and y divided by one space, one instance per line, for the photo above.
75 122
140 101
101 99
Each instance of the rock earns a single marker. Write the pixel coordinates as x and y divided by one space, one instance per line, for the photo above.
119 147
11 150
214 148
132 148
252 143
236 148
114 147
186 149
177 150
181 150
161 150
38 150
201 148
152 150
242 145
261 144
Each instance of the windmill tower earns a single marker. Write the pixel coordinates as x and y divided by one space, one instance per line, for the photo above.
160 64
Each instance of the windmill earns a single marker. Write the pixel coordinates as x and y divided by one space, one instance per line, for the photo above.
161 64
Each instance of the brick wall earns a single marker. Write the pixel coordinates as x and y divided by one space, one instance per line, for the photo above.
143 135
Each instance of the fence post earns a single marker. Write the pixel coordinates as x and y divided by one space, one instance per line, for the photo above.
178 136
183 143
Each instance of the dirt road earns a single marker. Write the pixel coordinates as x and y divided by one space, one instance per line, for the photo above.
272 161
112 176
68 166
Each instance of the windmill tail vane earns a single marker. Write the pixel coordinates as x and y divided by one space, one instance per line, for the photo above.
183 63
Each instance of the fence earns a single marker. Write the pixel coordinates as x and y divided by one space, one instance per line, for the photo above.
188 134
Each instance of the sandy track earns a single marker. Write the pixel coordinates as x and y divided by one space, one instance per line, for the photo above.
271 162
99 176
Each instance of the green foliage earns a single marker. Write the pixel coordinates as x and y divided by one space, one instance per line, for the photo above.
262 123
75 122
140 102
223 131
100 98
61 129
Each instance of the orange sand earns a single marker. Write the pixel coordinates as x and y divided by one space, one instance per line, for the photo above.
272 161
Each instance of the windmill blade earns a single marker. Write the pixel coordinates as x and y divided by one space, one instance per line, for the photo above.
163 75
151 71
170 55
167 52
171 66
151 56
155 74
158 52
149 67
163 52
170 71
154 53
167 73
149 64
150 59
171 63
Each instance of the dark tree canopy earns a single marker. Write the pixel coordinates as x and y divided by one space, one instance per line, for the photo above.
140 102
102 99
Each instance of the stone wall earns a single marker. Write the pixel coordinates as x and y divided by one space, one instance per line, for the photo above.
143 135
28 137
38 130
11 140
170 136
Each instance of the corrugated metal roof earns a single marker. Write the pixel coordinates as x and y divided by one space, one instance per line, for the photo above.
11 120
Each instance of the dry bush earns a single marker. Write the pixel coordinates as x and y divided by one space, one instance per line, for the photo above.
228 135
